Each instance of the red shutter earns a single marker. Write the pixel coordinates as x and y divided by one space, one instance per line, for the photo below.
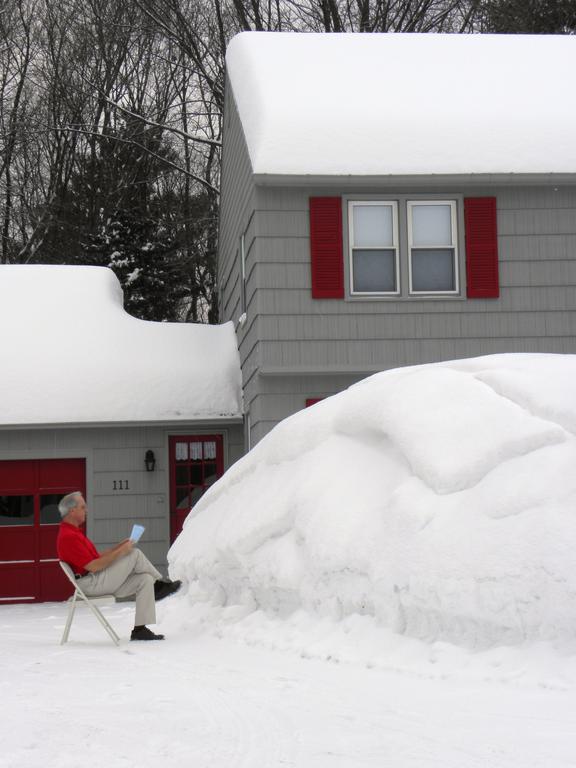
481 248
312 401
326 248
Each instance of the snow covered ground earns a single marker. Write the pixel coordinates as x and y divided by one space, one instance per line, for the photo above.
387 579
217 696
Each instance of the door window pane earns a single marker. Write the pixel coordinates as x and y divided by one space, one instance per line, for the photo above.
182 475
196 451
182 501
181 451
210 475
49 514
431 225
210 450
374 271
16 510
196 495
373 226
196 474
433 270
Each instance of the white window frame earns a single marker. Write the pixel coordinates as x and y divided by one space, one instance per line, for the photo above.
410 204
393 204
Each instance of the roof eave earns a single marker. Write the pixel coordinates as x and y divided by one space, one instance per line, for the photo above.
169 423
413 180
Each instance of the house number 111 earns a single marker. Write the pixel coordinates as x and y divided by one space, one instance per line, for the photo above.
120 485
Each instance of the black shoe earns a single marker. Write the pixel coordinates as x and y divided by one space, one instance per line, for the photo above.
164 589
143 633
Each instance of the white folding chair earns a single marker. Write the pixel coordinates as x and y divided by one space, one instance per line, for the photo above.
91 602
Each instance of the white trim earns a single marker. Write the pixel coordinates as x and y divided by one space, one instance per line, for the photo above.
15 599
243 296
192 422
15 562
410 204
9 526
393 204
414 180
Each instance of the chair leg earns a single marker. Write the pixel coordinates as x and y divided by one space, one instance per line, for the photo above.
69 619
104 623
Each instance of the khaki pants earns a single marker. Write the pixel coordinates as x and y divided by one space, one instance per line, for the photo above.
132 574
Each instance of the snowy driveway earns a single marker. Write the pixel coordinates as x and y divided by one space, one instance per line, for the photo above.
196 700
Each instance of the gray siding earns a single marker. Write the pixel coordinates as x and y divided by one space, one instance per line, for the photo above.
236 206
114 454
294 347
237 219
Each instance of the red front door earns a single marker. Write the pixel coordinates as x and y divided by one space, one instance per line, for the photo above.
29 520
196 461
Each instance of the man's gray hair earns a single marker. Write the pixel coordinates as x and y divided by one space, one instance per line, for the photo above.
68 502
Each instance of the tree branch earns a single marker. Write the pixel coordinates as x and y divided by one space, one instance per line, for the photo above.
165 160
164 126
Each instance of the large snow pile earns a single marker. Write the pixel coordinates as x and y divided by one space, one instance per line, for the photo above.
405 103
71 354
438 499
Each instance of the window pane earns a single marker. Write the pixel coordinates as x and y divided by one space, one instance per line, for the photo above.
431 225
196 451
373 226
210 476
182 499
16 510
374 271
433 270
210 450
196 495
181 451
49 509
182 475
196 474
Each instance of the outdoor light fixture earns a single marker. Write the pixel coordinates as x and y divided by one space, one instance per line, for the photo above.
150 461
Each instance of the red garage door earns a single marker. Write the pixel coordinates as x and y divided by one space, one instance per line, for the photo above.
29 519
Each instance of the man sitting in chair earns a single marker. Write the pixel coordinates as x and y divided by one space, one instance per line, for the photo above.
121 571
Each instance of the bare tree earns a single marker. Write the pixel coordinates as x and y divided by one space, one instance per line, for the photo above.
16 55
111 113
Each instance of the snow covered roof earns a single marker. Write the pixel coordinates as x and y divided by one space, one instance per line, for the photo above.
71 354
405 104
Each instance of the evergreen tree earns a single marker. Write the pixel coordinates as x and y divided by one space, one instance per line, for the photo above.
540 17
142 253
121 209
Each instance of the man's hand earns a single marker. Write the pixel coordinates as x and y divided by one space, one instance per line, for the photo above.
108 557
125 546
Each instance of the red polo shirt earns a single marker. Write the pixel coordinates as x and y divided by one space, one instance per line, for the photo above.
75 548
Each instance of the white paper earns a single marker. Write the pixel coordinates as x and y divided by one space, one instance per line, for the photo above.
137 531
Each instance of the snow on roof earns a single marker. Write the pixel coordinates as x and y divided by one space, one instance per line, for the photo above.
71 354
405 104
438 500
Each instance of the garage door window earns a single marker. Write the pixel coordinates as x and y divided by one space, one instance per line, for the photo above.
49 514
16 510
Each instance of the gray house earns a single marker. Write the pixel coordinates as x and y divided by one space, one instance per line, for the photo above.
387 200
141 417
390 200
